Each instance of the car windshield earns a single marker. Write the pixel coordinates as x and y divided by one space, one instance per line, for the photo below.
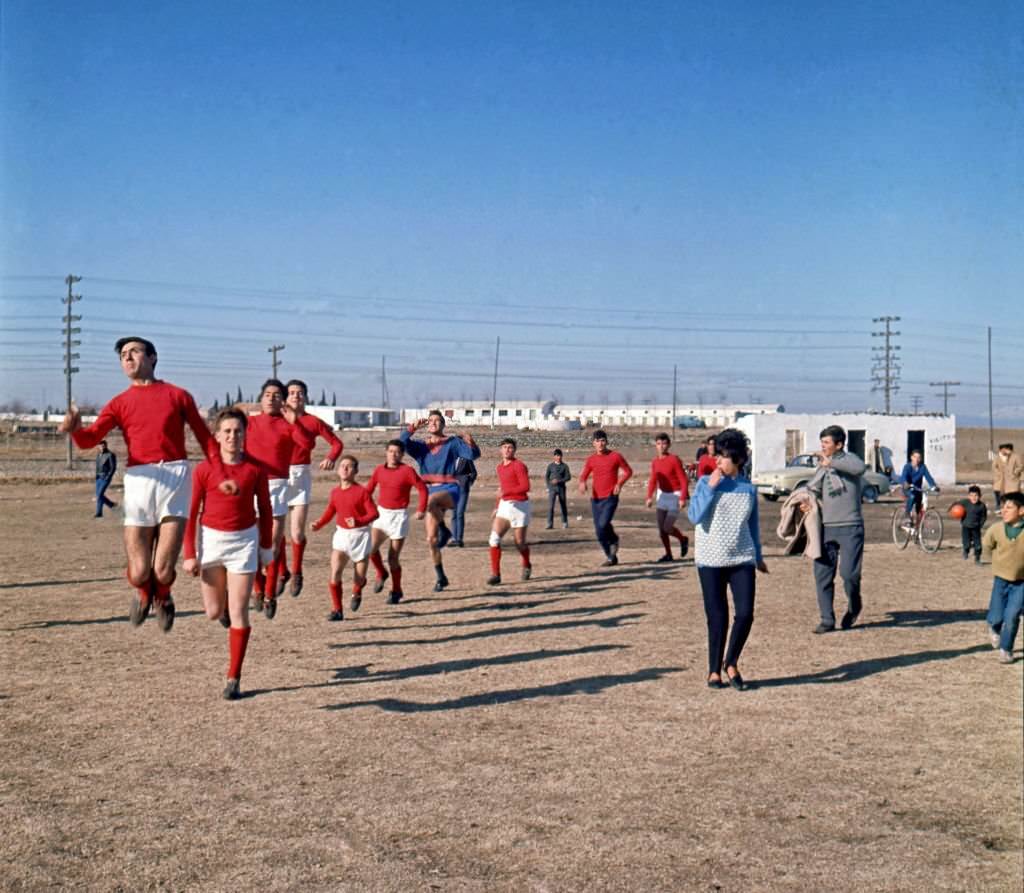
804 461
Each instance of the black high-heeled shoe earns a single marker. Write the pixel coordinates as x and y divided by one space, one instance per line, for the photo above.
736 681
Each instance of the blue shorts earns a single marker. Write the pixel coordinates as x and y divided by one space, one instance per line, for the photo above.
451 489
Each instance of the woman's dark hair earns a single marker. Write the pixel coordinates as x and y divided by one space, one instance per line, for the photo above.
732 443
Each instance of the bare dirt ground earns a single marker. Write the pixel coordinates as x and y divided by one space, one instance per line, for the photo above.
540 736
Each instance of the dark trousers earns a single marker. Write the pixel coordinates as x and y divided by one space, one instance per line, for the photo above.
603 511
713 583
557 492
459 515
971 537
101 495
843 549
999 499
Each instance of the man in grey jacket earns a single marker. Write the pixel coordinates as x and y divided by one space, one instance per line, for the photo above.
838 483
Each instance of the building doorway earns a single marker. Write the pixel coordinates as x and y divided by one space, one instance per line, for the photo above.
855 443
915 441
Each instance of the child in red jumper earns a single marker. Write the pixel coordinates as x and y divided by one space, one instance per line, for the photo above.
512 511
669 486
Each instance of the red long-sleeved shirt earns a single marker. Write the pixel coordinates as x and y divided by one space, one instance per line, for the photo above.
669 476
234 512
315 427
395 486
152 418
514 481
605 468
706 464
270 440
351 502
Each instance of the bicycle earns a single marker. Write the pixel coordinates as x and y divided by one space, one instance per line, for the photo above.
925 526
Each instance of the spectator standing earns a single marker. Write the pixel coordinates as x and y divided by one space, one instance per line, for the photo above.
106 465
557 477
1007 471
465 477
880 459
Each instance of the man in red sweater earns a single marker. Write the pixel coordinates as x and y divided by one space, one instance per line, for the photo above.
605 465
669 486
300 478
152 416
512 511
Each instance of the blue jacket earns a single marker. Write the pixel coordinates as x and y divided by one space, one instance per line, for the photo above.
440 460
912 477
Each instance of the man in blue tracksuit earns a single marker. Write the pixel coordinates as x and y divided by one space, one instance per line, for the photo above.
913 478
106 465
438 457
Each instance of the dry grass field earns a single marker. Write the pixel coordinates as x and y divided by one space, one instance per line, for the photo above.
542 736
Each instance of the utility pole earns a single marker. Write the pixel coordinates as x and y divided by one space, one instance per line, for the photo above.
494 390
70 342
945 385
384 396
275 362
991 431
915 403
885 373
675 371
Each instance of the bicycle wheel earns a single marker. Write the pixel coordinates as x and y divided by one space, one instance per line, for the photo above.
900 534
930 537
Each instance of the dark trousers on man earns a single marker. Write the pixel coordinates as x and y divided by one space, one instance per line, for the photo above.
557 492
459 515
603 511
101 496
842 549
970 537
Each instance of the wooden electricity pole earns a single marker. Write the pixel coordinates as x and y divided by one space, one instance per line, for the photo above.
70 342
275 362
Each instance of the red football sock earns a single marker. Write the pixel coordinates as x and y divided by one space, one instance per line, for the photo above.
396 579
163 590
271 588
238 639
496 560
524 553
666 542
298 550
282 560
357 585
378 565
259 584
142 590
335 595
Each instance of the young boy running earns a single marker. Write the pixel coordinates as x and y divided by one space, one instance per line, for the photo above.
605 465
1005 544
668 481
437 457
271 437
396 480
300 480
229 543
152 415
354 509
512 511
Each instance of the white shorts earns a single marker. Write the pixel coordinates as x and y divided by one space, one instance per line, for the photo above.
394 522
516 513
278 497
668 502
354 542
156 491
300 485
237 551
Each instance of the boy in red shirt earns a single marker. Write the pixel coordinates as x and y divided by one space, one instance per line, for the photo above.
605 466
229 544
396 480
512 511
352 505
152 415
668 484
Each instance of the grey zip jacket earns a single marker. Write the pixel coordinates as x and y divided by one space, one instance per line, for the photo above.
839 489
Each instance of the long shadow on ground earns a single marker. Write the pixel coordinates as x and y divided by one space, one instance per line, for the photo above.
475 609
589 685
919 619
91 621
34 583
859 669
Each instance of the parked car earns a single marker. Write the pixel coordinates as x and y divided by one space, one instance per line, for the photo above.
800 469
690 421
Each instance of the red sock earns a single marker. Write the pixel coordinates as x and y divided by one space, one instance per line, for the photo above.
357 585
238 639
524 553
679 535
666 542
142 590
298 550
282 560
396 579
335 595
496 560
162 591
378 565
259 584
271 588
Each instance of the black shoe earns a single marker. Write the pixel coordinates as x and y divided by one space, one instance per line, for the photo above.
737 682
456 544
138 610
824 628
440 585
165 614
296 584
232 691
335 615
848 620
546 526
270 608
379 585
494 580
526 572
444 536
355 601
664 559
715 683
684 547
282 581
225 619
613 552
257 602
394 597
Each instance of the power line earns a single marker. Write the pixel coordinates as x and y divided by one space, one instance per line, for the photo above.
945 395
70 342
885 372
275 362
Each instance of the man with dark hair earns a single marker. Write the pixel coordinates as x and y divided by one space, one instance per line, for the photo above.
605 465
838 483
1007 472
152 415
556 477
106 465
669 486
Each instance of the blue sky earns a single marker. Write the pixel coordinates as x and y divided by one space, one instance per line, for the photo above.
732 188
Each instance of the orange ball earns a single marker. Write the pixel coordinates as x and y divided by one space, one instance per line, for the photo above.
957 511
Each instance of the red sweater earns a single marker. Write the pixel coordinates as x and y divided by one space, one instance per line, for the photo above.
605 469
668 475
514 481
395 485
270 440
235 512
152 418
314 428
706 465
353 503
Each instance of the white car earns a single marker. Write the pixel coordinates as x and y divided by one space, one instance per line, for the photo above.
800 469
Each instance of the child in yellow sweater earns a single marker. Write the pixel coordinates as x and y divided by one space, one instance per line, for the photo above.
1005 544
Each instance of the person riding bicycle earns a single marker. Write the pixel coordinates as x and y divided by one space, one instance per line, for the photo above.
915 473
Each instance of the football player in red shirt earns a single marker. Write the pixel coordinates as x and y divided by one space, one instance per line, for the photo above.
605 464
668 484
512 511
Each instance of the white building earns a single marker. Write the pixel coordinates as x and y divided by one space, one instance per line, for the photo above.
777 438
355 416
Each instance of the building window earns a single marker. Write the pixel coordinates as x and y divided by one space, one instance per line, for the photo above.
485 412
519 412
469 412
502 412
